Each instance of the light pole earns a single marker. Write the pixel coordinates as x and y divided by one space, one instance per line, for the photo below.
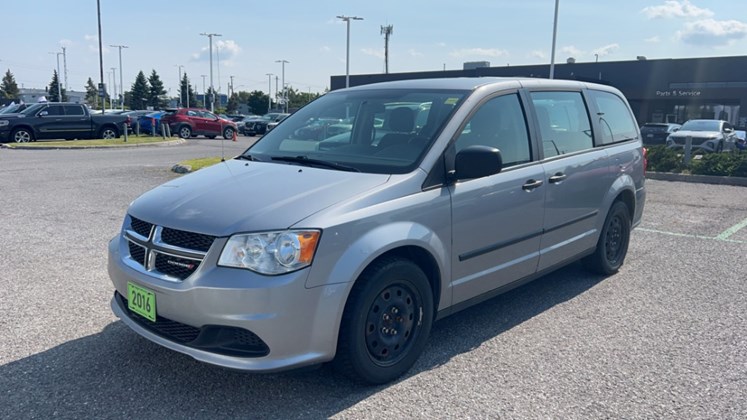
554 35
347 20
204 93
181 98
102 87
59 85
121 84
64 65
114 86
212 90
269 91
285 98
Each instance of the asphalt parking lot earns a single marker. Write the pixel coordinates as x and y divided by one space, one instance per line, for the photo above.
666 337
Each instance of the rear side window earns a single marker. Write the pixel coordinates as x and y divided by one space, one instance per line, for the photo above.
563 122
74 110
54 110
616 123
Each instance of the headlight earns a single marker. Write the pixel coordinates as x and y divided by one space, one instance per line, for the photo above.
271 252
3 123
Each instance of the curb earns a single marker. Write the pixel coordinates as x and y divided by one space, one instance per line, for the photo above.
703 179
124 146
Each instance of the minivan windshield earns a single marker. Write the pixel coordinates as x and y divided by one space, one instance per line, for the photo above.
375 131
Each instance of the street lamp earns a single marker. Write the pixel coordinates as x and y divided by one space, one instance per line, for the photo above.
114 86
269 91
59 86
554 35
121 85
285 92
347 20
181 98
212 90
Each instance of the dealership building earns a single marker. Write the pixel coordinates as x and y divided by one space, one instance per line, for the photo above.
666 90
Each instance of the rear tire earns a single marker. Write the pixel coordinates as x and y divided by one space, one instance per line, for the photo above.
185 132
228 133
108 133
386 322
613 242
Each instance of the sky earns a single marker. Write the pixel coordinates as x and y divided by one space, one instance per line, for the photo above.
427 35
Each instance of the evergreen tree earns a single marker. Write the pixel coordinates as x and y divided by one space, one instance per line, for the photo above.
9 88
54 89
187 93
139 92
92 94
155 95
233 104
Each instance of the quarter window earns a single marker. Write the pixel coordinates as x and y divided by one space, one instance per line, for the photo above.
563 122
74 110
615 121
499 123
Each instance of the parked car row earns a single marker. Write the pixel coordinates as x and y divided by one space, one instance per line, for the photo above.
257 125
192 122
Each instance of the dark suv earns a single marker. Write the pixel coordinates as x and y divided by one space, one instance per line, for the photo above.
192 122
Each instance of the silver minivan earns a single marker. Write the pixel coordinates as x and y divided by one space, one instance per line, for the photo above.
427 196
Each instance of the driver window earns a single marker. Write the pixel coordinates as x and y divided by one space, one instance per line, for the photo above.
499 123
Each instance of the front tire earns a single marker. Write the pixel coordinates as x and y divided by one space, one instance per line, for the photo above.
23 135
228 133
386 322
613 242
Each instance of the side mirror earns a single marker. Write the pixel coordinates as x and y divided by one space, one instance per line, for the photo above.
42 114
675 129
477 162
728 130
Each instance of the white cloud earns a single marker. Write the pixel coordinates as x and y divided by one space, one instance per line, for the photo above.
652 40
91 38
375 52
441 44
572 51
538 54
225 51
606 50
415 53
676 9
65 43
325 49
479 52
709 32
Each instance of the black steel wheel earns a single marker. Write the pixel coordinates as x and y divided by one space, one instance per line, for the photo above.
386 322
613 241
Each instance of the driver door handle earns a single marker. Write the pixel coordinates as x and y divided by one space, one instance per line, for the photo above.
558 177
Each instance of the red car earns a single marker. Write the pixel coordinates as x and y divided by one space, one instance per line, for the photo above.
192 122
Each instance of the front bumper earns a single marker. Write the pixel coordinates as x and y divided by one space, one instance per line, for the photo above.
707 145
296 325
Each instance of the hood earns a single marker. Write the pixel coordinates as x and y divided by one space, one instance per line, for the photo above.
10 115
696 134
239 196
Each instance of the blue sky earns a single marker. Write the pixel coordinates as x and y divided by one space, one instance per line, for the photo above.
428 35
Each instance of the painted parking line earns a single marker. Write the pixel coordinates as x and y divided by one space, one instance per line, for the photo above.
732 230
710 238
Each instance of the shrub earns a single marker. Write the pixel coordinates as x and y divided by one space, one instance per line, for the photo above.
662 159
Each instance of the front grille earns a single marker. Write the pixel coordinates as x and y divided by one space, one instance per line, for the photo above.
230 341
173 266
137 252
189 240
142 228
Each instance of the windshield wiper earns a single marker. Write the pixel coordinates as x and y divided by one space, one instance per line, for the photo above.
315 162
247 157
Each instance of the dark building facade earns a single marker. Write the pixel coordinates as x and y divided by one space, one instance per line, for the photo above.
668 90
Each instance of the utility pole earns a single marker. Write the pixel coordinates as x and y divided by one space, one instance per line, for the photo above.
102 87
347 20
121 84
64 65
277 90
212 90
387 32
285 92
554 35
59 85
269 91
204 93
231 89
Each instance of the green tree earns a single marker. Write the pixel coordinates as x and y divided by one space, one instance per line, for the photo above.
92 94
54 88
297 99
156 94
9 88
233 104
257 101
187 93
139 92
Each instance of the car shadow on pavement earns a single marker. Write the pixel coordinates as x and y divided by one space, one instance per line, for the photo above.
116 373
